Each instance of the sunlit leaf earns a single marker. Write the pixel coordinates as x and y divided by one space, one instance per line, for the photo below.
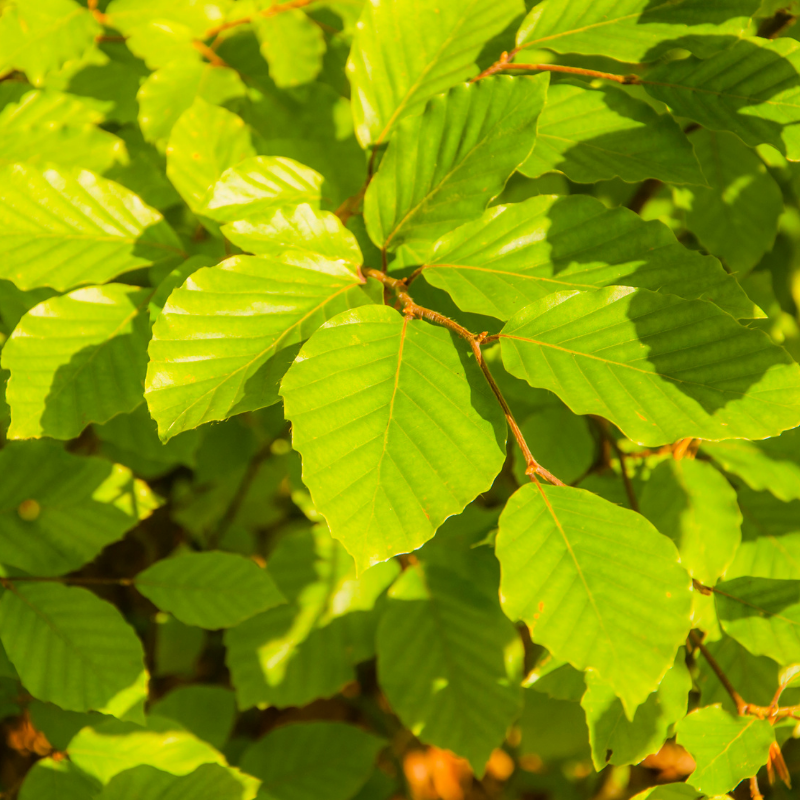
293 46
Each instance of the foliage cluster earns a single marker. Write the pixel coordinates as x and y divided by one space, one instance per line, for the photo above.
400 399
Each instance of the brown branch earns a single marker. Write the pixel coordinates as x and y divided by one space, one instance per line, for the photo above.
411 309
646 191
755 792
209 54
77 580
774 26
741 706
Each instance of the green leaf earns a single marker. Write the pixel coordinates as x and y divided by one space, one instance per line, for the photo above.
551 728
206 711
762 614
293 46
63 228
303 231
771 464
634 30
614 739
768 557
177 647
259 186
597 134
207 782
71 648
109 748
307 648
726 749
312 760
77 359
516 254
170 91
695 506
659 367
58 510
601 572
406 51
441 646
127 15
204 142
669 791
48 778
737 218
213 347
48 127
423 438
160 43
38 36
751 88
210 590
443 166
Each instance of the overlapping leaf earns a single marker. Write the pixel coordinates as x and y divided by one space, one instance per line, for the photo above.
726 749
293 46
259 186
312 760
64 228
695 506
737 218
443 166
751 88
77 359
213 345
207 782
634 30
210 590
204 142
596 134
208 711
71 648
307 648
519 253
171 90
397 430
58 510
659 367
763 614
440 45
583 574
301 230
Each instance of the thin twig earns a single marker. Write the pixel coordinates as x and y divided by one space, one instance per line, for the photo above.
755 792
411 309
77 580
634 503
774 26
738 700
646 191
268 12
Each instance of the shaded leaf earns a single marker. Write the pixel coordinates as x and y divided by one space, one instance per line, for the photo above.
726 749
49 778
441 646
63 228
440 47
307 648
615 739
259 186
751 88
443 166
596 134
659 367
312 760
207 782
601 572
71 648
213 345
634 30
210 590
552 728
695 506
58 510
77 359
516 254
206 711
737 218
763 614
397 429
